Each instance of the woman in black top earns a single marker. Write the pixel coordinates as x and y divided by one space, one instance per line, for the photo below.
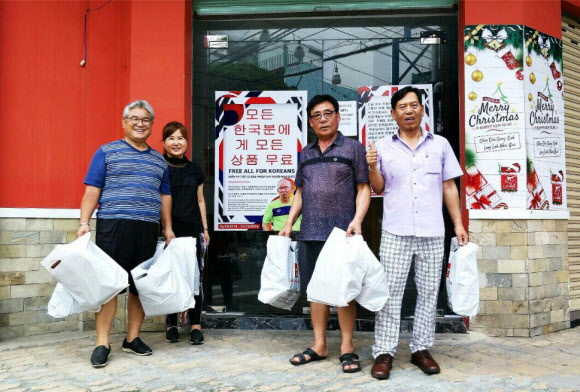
188 215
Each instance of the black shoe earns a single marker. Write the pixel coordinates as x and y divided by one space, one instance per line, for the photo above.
172 335
100 356
136 347
195 337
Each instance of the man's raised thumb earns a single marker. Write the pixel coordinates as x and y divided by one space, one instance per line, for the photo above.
372 146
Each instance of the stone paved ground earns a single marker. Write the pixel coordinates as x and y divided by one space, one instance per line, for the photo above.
243 360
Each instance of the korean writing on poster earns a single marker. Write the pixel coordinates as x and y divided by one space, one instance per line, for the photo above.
374 112
259 137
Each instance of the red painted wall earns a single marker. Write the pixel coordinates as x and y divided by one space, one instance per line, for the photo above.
54 114
571 7
41 120
544 15
160 59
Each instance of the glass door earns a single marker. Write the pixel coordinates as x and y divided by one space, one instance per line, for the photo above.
320 56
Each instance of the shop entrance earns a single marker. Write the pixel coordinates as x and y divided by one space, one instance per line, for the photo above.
321 56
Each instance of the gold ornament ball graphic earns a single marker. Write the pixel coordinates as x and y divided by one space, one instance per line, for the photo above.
477 76
528 61
472 96
532 78
530 97
470 59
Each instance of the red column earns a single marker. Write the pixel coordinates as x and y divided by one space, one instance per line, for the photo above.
571 7
160 58
55 113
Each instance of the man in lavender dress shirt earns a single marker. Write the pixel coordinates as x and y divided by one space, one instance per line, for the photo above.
332 190
414 170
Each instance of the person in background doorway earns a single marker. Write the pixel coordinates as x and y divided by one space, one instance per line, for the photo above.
277 211
188 216
332 191
414 170
130 183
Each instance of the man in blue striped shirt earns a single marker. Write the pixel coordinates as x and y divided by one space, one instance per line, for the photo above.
130 183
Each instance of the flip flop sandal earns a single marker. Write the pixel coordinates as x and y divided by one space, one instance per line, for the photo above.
350 359
302 357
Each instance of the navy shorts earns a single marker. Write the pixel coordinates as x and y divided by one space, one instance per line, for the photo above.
308 252
128 242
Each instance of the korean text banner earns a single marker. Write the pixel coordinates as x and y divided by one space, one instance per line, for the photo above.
374 112
259 137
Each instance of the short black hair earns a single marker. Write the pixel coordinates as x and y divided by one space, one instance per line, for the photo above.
399 94
317 99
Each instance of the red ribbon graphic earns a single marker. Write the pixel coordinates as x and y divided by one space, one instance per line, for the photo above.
474 183
536 200
481 202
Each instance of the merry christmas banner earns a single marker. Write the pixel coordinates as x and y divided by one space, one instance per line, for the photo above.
544 90
502 171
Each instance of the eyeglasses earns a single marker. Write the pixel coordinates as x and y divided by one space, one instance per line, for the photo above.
414 106
284 188
326 114
135 120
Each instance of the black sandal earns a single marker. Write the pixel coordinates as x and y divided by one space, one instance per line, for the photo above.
350 359
302 359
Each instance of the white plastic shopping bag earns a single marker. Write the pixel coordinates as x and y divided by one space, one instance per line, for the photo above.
280 281
88 273
338 274
62 304
165 282
463 279
187 248
375 290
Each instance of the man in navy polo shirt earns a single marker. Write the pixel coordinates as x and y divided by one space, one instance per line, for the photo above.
332 191
130 183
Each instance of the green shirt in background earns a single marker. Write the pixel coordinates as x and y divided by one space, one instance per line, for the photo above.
277 212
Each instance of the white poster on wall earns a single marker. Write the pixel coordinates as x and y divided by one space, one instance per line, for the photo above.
259 135
374 111
544 90
348 121
495 140
514 119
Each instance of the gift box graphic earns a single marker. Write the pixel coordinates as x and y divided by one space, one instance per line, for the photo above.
536 196
509 178
557 180
480 194
475 182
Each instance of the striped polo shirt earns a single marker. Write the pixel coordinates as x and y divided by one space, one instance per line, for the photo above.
132 181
